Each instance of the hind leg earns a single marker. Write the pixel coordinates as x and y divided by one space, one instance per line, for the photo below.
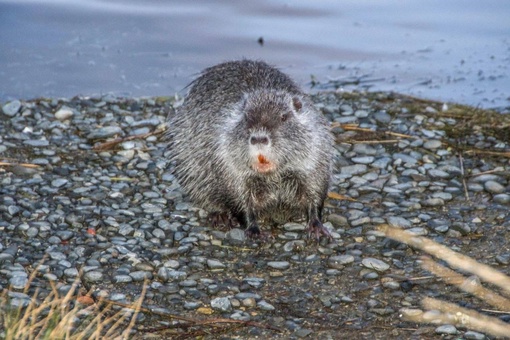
315 226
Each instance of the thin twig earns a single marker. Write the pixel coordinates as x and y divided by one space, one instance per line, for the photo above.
469 318
467 285
456 260
464 184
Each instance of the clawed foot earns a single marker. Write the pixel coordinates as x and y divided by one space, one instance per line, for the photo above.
222 219
316 229
254 232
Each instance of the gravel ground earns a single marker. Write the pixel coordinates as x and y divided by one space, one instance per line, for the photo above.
113 216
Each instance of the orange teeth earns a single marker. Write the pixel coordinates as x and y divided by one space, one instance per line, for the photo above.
263 165
263 160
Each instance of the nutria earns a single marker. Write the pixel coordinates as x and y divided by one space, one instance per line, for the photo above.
249 144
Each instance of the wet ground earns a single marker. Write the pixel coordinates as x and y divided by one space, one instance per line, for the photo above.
455 51
109 215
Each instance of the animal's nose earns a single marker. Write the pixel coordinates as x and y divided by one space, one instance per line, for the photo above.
259 140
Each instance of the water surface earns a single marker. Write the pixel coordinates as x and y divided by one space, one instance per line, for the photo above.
457 50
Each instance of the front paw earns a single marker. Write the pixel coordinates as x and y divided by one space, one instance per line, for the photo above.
316 229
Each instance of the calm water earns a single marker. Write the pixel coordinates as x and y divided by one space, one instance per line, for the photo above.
456 50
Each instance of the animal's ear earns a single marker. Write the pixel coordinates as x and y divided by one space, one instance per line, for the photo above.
297 104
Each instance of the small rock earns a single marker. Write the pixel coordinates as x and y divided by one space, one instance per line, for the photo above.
382 117
400 222
446 329
64 113
236 234
10 109
221 304
59 182
215 264
265 305
18 281
338 220
338 261
105 132
376 264
353 169
494 187
471 335
432 144
93 276
433 202
436 173
363 159
502 198
303 332
281 265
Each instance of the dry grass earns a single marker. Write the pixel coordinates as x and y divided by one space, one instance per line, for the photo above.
442 312
66 316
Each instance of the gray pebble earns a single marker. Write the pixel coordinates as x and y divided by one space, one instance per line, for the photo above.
64 113
10 109
280 265
338 261
167 274
432 144
18 300
376 264
245 295
446 329
93 276
494 187
400 222
405 158
433 202
361 113
236 234
141 275
122 279
71 272
418 231
18 281
255 282
36 142
471 335
363 160
59 182
382 117
436 173
221 304
13 210
265 305
105 132
502 198
215 264
352 170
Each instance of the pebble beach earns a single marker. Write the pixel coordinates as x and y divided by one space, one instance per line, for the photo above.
87 193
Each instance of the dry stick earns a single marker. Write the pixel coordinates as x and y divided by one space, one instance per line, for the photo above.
387 141
469 318
467 285
196 322
497 169
112 143
454 259
337 196
355 127
493 153
26 165
464 184
137 306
